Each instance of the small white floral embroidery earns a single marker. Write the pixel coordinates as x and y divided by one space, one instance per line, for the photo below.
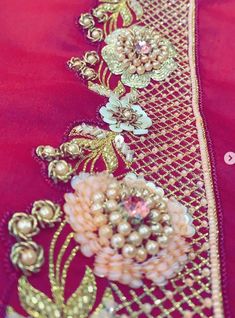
121 115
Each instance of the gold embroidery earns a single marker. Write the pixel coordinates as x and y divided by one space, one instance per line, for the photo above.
27 256
23 226
139 54
46 212
92 144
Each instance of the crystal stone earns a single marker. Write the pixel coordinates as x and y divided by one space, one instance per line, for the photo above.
136 207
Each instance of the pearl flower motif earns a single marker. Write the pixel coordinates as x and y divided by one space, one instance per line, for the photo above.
139 54
130 227
121 115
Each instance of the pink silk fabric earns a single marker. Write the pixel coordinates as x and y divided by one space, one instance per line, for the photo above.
40 99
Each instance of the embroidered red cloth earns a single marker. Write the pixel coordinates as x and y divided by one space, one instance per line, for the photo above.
40 100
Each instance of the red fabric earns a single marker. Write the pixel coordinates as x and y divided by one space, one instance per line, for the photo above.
40 98
216 64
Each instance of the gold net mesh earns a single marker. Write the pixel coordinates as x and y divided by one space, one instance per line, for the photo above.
170 156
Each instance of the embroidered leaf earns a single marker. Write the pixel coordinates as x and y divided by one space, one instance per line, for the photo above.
100 89
120 89
107 7
137 8
106 299
110 158
11 313
126 15
34 302
87 143
83 299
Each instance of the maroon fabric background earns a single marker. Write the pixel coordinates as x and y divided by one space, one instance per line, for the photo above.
40 98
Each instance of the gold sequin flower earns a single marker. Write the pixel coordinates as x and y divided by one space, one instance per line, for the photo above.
130 227
121 115
139 54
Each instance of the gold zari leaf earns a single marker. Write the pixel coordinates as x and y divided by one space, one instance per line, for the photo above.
83 299
36 303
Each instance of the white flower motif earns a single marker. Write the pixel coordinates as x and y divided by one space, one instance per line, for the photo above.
121 115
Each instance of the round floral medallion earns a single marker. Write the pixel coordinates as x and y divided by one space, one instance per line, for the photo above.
133 230
139 54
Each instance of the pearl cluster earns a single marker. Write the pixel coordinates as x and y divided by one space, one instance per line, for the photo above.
84 66
141 50
61 170
87 21
134 236
26 254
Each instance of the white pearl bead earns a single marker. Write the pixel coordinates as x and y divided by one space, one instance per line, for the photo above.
124 228
117 241
144 231
96 208
24 226
46 212
128 251
28 257
111 205
112 193
100 219
141 254
61 168
105 231
115 217
152 247
162 240
135 238
155 215
98 197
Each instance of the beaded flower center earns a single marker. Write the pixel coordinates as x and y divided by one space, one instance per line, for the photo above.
141 51
127 115
142 47
134 220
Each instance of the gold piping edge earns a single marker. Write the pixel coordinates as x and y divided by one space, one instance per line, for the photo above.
217 297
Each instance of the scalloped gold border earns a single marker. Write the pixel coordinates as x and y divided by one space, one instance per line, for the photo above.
206 165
